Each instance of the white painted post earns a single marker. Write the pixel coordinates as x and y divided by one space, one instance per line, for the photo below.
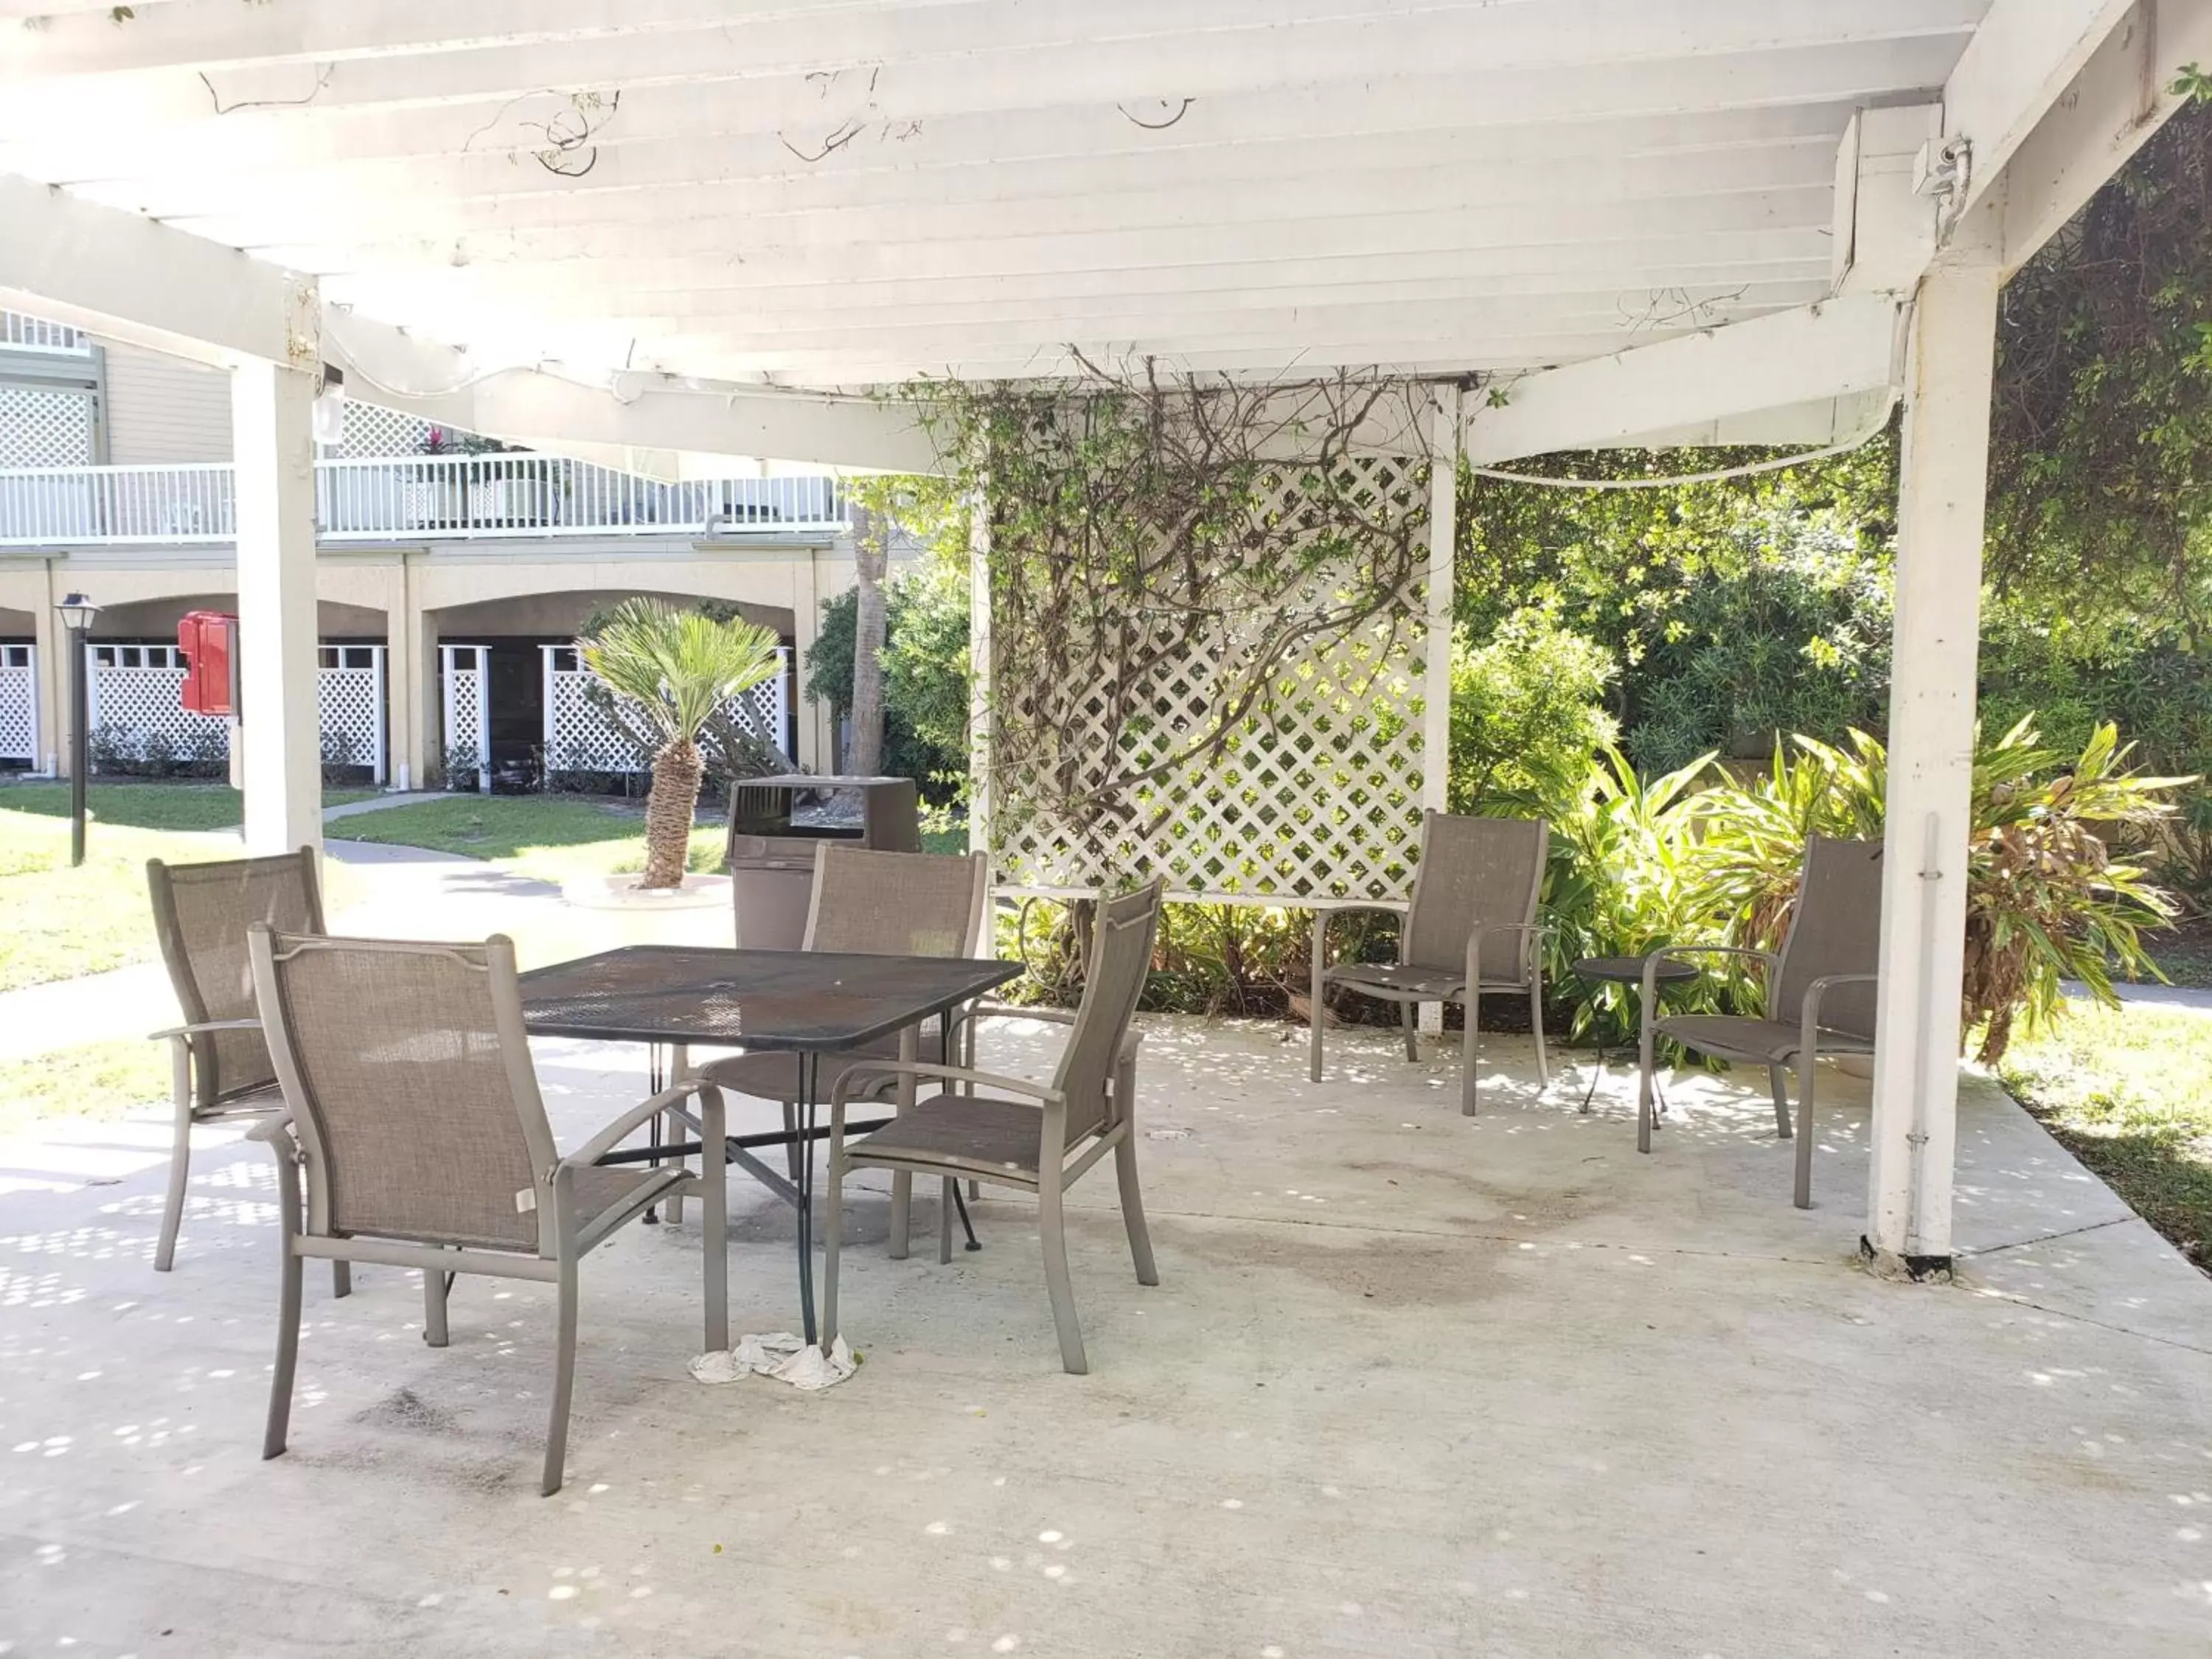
381 739
1444 541
550 716
1942 480
274 443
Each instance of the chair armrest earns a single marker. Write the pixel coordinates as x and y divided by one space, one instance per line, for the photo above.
186 1032
1650 1001
270 1130
983 1011
1322 914
1042 1093
623 1127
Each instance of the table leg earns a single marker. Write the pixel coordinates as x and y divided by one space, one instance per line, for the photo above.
808 1070
656 1129
944 1058
1589 1094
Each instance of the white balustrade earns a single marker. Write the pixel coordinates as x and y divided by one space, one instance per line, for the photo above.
21 333
417 498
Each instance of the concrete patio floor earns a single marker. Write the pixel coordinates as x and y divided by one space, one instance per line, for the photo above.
1411 1385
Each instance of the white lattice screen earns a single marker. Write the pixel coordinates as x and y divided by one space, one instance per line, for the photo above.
136 692
464 677
579 738
1317 795
40 426
371 431
19 703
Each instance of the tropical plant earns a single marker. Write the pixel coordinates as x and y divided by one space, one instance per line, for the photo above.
1625 879
678 668
2047 899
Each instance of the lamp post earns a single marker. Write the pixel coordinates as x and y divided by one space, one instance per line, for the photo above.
77 613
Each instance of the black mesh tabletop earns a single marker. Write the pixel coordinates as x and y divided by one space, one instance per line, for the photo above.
792 1000
1629 970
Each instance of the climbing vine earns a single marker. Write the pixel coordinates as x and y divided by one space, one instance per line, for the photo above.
1164 551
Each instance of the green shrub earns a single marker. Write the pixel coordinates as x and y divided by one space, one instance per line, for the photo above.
1527 713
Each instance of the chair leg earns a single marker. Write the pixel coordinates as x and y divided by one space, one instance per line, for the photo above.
944 1221
1051 1228
1803 1196
287 1352
1646 1079
564 1377
1470 1050
901 1213
1774 1081
181 1162
1132 1208
1409 1017
434 1287
1318 994
1536 1025
341 1279
791 1151
833 1236
974 1192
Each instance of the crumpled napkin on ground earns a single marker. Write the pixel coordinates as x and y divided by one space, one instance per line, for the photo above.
781 1356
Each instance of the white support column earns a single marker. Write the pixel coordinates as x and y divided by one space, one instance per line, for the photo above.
1443 545
1943 482
274 457
979 671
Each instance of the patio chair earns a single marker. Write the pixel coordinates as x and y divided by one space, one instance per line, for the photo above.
1819 992
870 904
1470 932
219 1065
1043 1139
417 1138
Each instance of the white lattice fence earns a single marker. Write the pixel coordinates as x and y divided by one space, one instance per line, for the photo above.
19 703
137 697
464 674
1316 795
371 431
580 738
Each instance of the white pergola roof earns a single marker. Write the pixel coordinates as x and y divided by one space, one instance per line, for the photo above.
845 194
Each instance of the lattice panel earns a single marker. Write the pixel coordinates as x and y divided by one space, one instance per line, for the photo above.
580 738
18 704
1317 794
352 703
42 427
132 704
462 670
371 431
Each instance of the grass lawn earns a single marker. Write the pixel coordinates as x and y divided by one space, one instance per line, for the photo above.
554 838
60 922
99 1080
2129 1091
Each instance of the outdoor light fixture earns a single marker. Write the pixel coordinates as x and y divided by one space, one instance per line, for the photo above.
76 614
327 414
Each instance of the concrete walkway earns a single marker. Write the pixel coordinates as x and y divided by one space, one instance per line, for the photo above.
2152 995
1411 1384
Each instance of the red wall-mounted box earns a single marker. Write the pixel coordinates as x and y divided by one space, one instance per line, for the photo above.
208 640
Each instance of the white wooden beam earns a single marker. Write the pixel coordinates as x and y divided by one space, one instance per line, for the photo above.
1885 228
639 411
1839 347
2019 63
1813 425
123 276
2123 95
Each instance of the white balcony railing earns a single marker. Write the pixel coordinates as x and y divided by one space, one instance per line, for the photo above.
21 333
411 498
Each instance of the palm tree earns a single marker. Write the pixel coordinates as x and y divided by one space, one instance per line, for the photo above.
678 667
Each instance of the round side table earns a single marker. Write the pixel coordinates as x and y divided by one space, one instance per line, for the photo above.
1629 971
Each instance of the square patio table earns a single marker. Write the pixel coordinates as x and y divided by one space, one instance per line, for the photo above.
806 1002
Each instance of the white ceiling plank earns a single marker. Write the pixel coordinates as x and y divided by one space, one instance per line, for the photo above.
2123 95
1372 235
2017 64
1842 346
1035 199
1026 154
1411 98
129 279
851 62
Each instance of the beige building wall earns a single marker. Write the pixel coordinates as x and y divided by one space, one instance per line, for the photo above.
164 411
414 598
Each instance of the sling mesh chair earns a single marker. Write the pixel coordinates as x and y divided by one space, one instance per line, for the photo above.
1470 931
1819 992
417 1138
871 903
1043 1140
221 1067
